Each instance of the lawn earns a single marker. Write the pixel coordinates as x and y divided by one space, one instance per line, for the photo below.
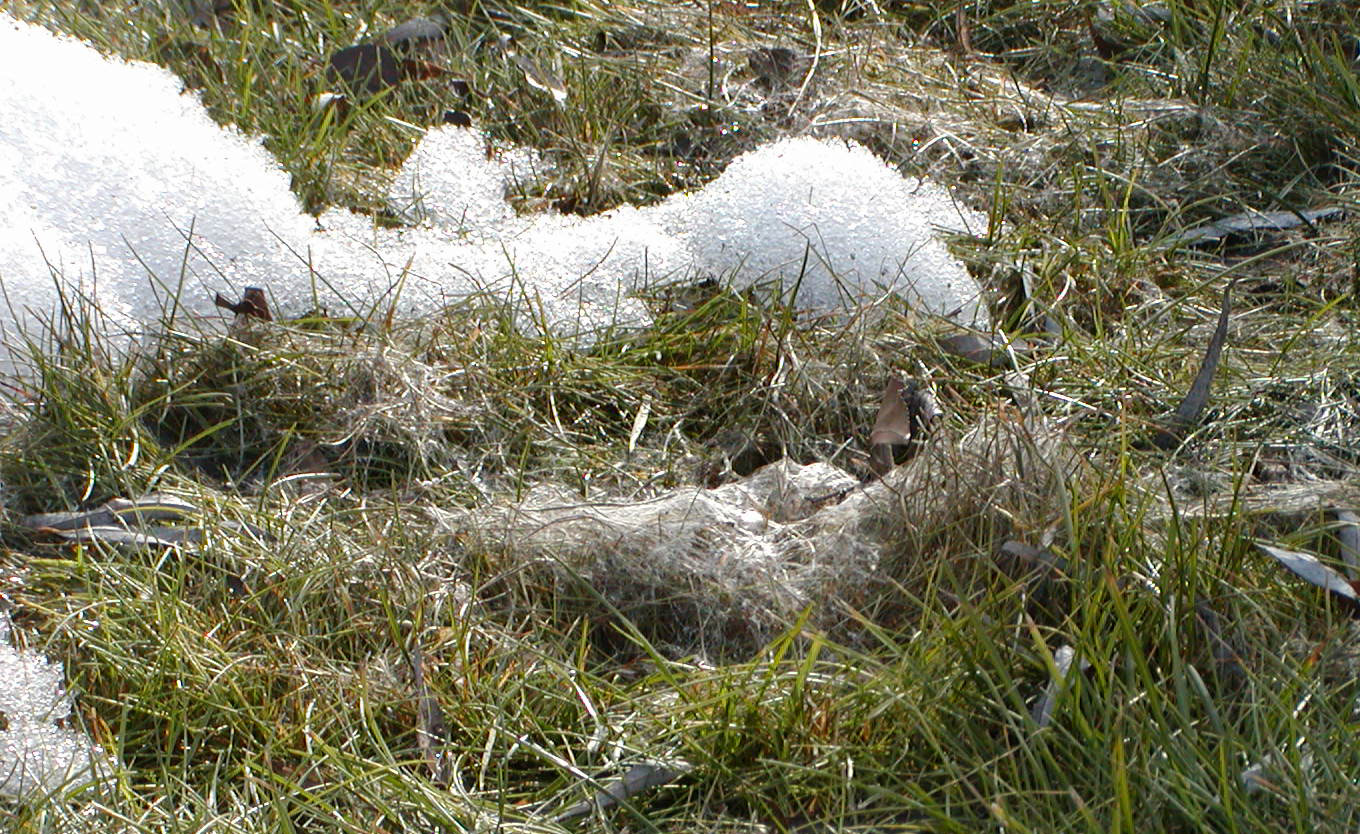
435 583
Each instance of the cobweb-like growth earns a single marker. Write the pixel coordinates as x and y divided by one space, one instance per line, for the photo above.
722 571
37 756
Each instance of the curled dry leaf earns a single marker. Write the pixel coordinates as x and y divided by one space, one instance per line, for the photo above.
905 414
252 304
1315 573
1188 412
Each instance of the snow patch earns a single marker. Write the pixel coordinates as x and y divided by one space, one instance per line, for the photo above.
106 167
116 186
835 222
38 757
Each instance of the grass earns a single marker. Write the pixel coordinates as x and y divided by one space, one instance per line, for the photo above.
267 684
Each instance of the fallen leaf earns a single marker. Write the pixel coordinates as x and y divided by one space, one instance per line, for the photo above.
893 424
142 537
203 13
123 521
151 507
1038 557
639 423
630 38
774 66
1062 662
1315 573
1120 26
1348 539
236 586
1227 658
542 79
326 100
990 350
432 734
639 778
1188 412
415 70
252 304
1251 223
903 417
366 67
1258 777
417 32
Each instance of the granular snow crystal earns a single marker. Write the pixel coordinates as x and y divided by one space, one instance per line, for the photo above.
117 187
38 757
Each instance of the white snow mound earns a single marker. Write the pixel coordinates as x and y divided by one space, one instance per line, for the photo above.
104 169
115 185
835 222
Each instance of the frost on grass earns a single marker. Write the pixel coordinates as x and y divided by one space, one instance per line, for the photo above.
38 757
109 172
722 571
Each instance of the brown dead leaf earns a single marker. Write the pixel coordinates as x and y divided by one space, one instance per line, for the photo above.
252 304
366 67
903 418
1188 412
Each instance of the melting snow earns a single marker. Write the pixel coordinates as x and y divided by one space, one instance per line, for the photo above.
114 181
36 755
